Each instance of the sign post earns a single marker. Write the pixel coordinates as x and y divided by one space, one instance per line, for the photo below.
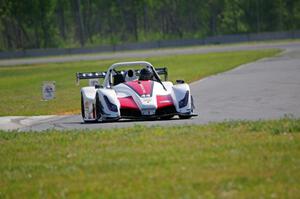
48 90
93 82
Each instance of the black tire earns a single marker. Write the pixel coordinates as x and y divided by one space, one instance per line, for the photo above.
167 117
98 108
192 103
82 107
185 117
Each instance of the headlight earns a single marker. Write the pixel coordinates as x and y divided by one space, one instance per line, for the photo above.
110 105
184 101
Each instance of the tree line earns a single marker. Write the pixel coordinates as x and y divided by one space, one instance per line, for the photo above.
77 23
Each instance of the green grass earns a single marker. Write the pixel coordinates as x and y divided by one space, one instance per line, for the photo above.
226 160
20 86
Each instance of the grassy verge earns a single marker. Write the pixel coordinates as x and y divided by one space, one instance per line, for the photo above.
20 86
226 160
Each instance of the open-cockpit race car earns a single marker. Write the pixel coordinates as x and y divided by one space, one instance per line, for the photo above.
136 92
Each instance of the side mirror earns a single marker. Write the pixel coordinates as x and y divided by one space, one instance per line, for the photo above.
179 81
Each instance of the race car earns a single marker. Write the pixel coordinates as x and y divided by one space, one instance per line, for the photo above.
134 90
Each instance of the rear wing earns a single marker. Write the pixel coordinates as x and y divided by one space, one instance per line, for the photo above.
89 75
98 75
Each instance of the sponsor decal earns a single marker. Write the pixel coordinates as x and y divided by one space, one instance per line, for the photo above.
147 100
148 111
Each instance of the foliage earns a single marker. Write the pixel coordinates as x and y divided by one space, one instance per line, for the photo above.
225 160
20 86
61 23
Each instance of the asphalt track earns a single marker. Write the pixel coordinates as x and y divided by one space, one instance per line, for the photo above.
266 89
146 53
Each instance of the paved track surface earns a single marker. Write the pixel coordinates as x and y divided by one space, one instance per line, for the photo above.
266 89
146 53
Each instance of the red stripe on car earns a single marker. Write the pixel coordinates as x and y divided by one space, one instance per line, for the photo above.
128 102
141 87
164 100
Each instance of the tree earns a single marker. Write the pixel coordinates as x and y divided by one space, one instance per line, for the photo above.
72 23
80 32
232 18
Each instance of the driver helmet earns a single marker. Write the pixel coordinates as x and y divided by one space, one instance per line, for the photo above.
130 75
146 74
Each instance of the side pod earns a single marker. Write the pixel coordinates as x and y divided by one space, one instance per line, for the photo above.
107 105
183 98
88 111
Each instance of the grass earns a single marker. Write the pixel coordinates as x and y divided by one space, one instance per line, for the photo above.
224 160
20 86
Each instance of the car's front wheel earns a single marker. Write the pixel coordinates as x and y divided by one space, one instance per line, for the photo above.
82 107
185 116
166 117
98 109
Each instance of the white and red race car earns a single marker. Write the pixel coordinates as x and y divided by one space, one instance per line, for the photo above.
134 90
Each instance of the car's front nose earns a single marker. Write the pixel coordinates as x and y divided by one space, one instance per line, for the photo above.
148 106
